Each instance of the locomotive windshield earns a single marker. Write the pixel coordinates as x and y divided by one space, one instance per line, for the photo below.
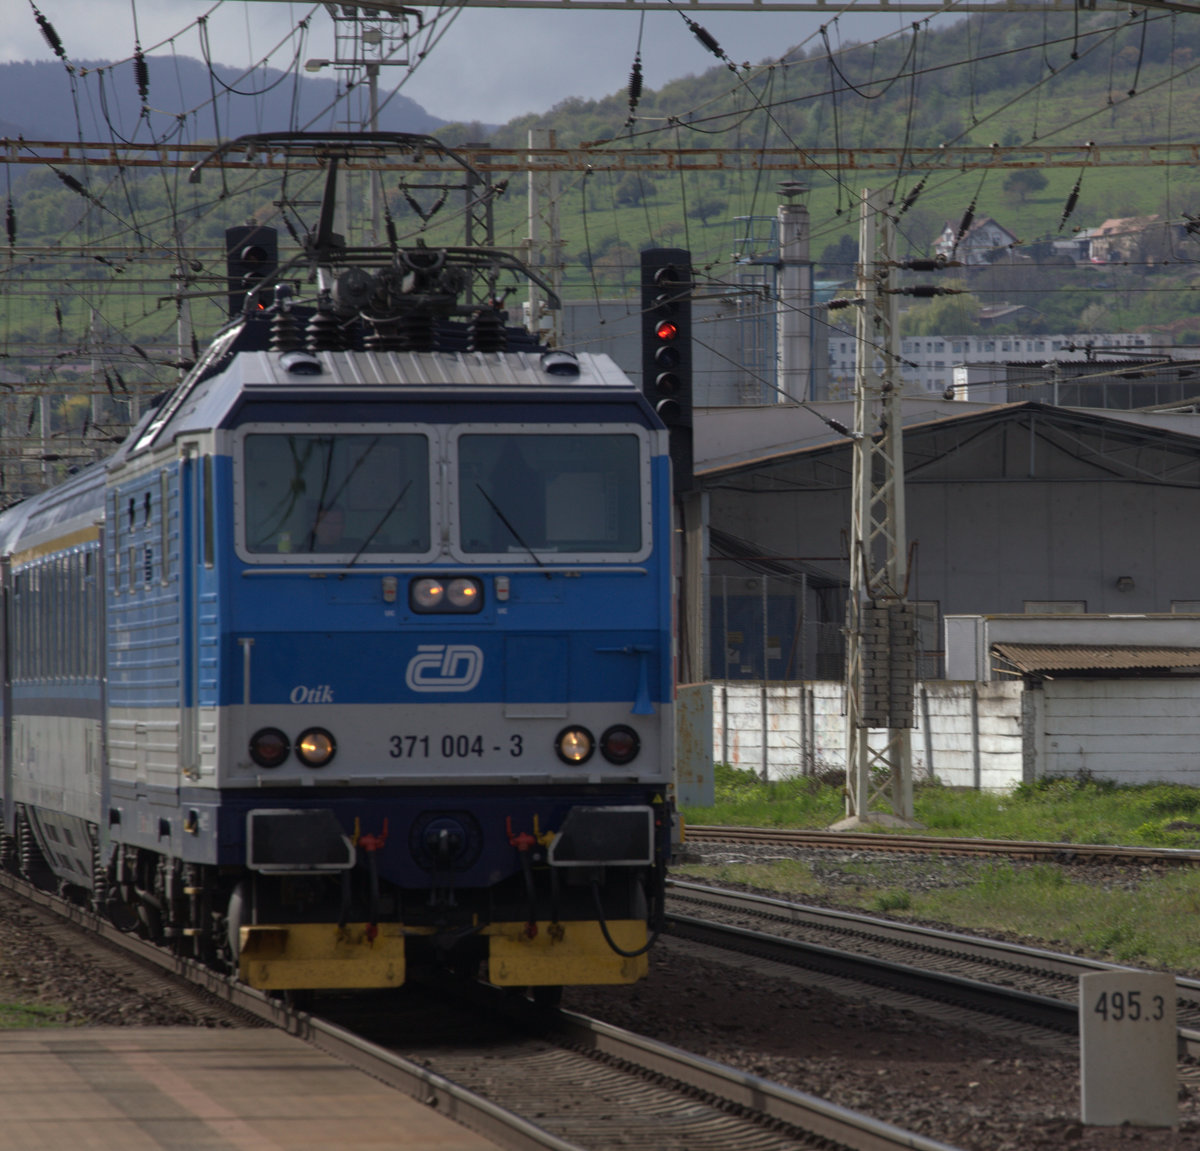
340 494
549 492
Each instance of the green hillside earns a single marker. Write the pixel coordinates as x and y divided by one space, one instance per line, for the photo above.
1000 78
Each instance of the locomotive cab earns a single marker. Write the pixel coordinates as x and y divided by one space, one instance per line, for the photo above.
383 673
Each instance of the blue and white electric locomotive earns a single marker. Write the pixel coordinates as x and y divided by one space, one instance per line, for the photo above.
357 654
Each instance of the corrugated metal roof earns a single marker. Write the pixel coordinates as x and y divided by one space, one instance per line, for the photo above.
813 436
1035 657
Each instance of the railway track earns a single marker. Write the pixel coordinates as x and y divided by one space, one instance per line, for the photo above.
527 1080
1031 985
938 845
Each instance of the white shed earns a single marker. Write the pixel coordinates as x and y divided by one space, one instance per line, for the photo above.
1117 697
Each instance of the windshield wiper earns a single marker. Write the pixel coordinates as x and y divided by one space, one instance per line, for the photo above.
382 520
508 524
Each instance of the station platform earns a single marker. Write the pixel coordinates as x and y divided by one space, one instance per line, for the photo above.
195 1089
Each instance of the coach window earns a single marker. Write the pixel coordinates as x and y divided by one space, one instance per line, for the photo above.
347 494
521 494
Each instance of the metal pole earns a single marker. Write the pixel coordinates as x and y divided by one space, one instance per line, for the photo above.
763 720
880 647
725 654
543 244
376 184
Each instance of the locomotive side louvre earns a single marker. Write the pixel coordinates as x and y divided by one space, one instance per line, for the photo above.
312 744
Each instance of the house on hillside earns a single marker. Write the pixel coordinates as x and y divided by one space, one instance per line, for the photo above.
984 243
1077 247
1131 239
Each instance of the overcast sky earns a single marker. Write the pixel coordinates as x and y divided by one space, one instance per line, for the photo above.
492 65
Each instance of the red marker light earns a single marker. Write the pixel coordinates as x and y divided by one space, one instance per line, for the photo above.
666 330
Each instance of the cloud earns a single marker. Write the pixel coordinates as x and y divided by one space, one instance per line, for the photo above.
491 65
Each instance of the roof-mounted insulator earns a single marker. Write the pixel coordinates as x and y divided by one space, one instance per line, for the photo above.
324 332
486 331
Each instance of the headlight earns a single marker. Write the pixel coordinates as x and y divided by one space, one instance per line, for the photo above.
574 745
315 747
269 747
461 594
428 594
620 744
464 594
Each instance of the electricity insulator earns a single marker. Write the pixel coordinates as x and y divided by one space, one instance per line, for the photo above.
635 82
142 71
50 35
706 38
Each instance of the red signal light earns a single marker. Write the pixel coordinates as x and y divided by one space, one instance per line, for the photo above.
666 330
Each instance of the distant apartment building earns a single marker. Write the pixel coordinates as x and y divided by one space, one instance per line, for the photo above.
929 362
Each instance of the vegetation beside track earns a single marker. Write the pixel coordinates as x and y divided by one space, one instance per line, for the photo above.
23 1015
1073 809
1141 915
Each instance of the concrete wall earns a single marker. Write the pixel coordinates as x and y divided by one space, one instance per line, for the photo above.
967 734
987 736
1127 730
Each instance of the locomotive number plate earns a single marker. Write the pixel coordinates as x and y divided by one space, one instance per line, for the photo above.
452 746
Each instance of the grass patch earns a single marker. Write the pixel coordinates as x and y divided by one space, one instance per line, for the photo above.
1142 918
779 877
1155 923
1075 809
22 1015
